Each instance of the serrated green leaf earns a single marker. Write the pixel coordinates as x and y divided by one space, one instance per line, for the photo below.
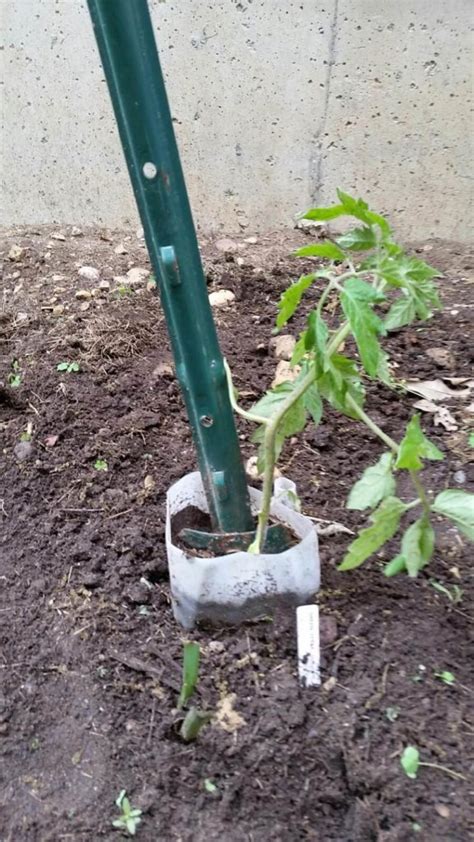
313 403
458 506
323 214
328 250
360 209
291 298
359 239
356 299
395 566
299 350
401 313
363 291
415 446
414 277
317 334
376 483
383 371
339 379
385 522
418 545
191 657
271 400
410 761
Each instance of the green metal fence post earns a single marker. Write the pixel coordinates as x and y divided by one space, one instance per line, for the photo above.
129 56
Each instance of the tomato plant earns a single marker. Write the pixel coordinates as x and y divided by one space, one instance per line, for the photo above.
365 268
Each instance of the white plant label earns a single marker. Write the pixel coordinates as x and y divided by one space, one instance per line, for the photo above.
307 630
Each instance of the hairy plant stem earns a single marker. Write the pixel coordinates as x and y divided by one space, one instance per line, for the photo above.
249 416
372 425
418 486
269 449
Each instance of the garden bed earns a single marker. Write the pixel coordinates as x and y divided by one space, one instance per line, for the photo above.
90 657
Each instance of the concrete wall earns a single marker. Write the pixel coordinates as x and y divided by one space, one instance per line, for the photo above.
276 103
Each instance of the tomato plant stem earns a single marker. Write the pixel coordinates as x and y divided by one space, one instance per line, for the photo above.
269 450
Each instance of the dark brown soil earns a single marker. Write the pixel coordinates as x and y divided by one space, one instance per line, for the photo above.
90 657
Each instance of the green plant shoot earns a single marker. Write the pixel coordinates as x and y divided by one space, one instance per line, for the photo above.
191 657
130 816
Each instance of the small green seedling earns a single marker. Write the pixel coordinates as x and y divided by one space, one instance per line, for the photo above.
68 367
27 434
130 816
209 786
410 763
191 657
392 713
123 291
471 438
421 674
455 594
14 378
101 465
446 677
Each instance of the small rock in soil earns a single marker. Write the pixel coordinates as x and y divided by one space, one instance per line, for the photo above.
58 310
460 477
251 240
283 346
83 294
285 372
327 629
23 450
90 273
15 253
221 298
226 245
138 594
162 370
76 232
442 357
58 235
135 277
104 285
21 317
120 249
90 579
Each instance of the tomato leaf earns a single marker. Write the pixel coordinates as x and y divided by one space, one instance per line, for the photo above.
415 446
328 250
458 506
395 566
385 522
359 239
356 299
323 214
291 298
313 403
418 545
376 483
